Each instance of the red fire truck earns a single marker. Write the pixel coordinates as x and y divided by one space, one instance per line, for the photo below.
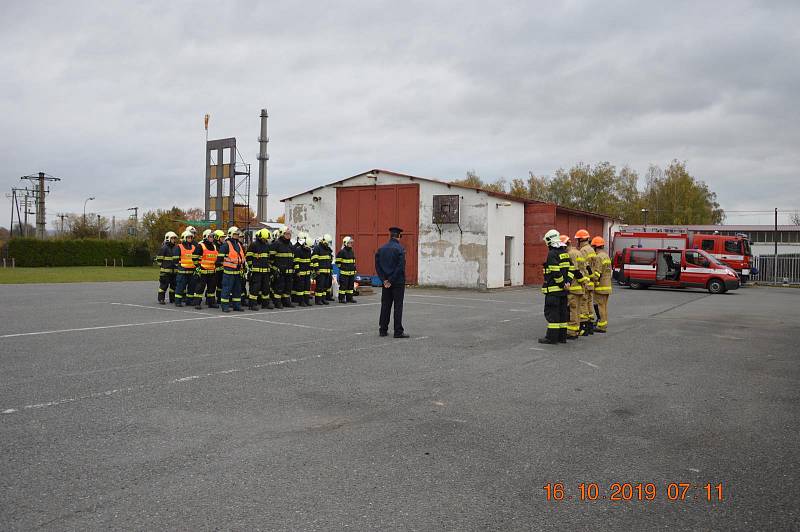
731 250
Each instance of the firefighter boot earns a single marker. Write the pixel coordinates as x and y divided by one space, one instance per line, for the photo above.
317 300
325 300
179 302
550 338
197 304
254 304
287 302
278 303
562 335
211 302
341 298
308 300
590 327
350 299
267 304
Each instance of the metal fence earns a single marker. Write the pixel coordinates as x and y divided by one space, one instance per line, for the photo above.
788 271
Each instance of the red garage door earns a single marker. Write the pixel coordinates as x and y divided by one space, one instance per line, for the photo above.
366 213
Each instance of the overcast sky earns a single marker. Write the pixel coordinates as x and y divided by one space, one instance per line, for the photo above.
110 96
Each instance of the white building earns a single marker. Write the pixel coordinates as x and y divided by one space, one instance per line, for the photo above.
454 236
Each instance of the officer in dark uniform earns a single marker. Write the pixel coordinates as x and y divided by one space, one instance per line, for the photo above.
390 263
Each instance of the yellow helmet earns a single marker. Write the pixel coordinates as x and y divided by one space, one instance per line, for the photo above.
264 234
219 233
233 231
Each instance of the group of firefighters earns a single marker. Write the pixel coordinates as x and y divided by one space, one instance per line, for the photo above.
273 272
577 280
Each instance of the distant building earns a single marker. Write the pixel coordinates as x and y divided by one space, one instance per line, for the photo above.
455 236
762 237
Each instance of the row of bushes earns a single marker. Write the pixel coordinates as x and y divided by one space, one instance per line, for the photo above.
30 252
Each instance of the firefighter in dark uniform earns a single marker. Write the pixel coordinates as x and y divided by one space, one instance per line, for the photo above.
187 258
346 260
166 276
207 272
390 264
321 262
301 287
232 258
282 255
258 260
555 289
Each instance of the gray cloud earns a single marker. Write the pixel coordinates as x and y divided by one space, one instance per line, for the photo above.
110 95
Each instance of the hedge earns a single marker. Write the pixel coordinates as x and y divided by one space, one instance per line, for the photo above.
30 252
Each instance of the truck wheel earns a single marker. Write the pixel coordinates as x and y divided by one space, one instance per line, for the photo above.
636 286
715 286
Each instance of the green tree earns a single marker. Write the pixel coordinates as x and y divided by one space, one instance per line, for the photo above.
156 223
471 180
676 197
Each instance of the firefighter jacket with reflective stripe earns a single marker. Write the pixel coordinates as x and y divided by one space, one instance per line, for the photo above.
302 260
604 273
553 278
258 257
321 258
588 254
208 257
346 259
578 272
166 256
231 256
282 255
187 256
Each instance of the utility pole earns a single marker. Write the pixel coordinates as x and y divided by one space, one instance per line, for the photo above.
135 218
775 238
62 216
38 180
113 226
98 226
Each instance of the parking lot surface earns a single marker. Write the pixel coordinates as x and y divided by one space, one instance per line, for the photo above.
116 413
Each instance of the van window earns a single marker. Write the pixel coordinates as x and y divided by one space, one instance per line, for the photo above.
732 246
696 259
642 257
707 245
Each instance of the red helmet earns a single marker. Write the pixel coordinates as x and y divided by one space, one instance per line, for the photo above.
582 234
564 239
598 241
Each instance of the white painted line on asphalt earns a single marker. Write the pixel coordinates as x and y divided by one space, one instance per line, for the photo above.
440 304
99 327
421 338
190 378
282 323
537 349
589 364
461 298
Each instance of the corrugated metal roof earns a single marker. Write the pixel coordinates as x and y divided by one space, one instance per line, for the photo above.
501 195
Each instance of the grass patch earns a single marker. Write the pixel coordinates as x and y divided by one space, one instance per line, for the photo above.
77 274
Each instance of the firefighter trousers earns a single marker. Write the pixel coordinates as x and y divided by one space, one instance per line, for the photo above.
587 309
574 304
231 290
556 312
283 285
206 283
602 308
184 288
166 284
346 285
259 288
301 287
323 285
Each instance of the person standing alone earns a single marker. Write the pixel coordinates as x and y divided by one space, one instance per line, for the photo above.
390 263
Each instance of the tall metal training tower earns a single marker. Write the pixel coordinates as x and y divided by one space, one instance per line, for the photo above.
263 157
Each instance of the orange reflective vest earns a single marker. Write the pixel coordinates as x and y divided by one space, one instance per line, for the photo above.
187 257
208 261
234 259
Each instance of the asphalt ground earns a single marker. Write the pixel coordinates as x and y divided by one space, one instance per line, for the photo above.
120 414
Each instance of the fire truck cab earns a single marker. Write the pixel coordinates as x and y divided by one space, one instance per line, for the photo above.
676 268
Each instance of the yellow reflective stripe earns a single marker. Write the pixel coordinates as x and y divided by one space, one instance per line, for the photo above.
580 259
346 261
574 288
602 289
606 261
553 325
284 255
547 289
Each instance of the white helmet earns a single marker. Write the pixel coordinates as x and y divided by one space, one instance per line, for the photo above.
170 234
552 238
347 240
302 238
327 238
192 230
187 234
233 231
207 232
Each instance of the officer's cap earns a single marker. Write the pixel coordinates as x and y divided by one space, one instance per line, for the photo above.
395 230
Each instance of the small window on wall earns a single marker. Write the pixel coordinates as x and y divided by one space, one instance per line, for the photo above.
708 245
